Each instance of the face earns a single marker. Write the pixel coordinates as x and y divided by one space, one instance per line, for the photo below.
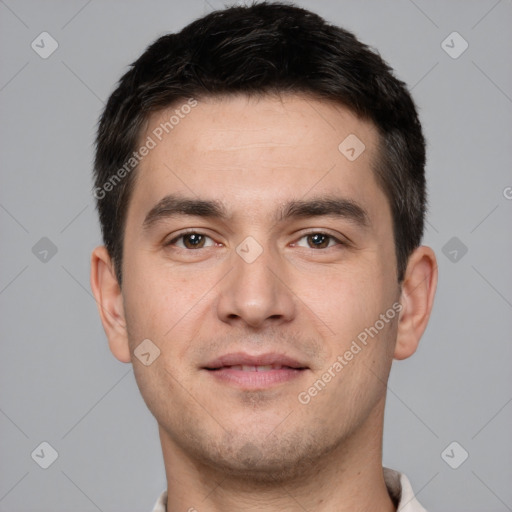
255 255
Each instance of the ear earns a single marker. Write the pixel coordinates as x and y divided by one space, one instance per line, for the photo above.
417 298
109 299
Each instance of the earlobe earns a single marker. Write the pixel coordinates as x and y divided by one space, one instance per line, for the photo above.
418 291
109 299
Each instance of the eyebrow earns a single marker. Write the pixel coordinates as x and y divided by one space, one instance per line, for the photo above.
173 205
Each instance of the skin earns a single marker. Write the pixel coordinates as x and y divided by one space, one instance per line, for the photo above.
227 448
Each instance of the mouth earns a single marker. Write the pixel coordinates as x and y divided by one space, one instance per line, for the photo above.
255 372
254 368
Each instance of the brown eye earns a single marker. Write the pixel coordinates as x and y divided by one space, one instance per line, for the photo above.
192 241
318 240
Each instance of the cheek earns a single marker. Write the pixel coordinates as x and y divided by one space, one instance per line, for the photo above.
165 307
346 304
152 300
346 297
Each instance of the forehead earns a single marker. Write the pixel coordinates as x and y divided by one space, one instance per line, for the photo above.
252 153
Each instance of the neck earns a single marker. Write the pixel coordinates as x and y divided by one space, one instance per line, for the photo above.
349 478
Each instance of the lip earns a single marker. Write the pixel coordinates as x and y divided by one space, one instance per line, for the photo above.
226 369
244 359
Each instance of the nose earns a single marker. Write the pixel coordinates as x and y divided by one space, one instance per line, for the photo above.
257 291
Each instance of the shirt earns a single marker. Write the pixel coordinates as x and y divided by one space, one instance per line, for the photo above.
398 485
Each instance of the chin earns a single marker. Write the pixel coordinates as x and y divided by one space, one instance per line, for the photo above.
265 462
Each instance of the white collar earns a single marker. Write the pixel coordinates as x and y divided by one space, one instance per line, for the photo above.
398 485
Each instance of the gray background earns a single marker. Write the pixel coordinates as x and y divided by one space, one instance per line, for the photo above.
59 382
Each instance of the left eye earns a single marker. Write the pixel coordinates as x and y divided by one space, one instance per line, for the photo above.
318 241
192 241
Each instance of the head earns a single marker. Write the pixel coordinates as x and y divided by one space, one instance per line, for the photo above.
234 220
266 49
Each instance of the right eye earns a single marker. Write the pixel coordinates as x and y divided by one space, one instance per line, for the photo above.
191 240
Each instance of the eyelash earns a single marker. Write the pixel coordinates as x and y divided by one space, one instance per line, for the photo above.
305 235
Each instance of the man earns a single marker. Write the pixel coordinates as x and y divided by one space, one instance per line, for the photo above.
260 184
